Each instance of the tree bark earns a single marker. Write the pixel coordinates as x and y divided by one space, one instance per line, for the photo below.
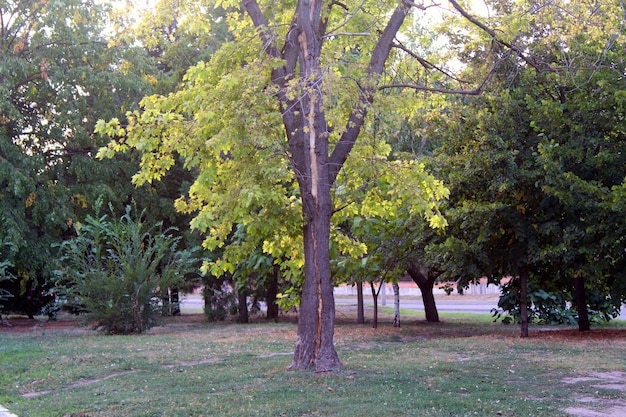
242 307
523 302
581 304
426 283
270 297
316 324
360 311
396 304
375 298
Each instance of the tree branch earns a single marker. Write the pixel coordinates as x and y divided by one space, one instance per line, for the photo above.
425 63
420 6
331 33
26 80
357 116
474 92
291 109
255 13
494 36
478 90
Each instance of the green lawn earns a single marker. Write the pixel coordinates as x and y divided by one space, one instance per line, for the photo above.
464 366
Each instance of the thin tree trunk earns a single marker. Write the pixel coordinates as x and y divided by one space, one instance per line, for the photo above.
581 304
396 304
524 302
360 311
426 283
383 293
272 292
242 299
175 301
375 298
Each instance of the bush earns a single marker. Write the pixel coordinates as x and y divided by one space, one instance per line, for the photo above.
552 307
219 300
117 273
5 275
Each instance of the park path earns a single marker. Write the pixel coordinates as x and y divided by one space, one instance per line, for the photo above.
5 413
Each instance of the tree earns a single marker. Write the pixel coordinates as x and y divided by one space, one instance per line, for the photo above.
578 116
300 86
531 200
52 62
392 225
58 75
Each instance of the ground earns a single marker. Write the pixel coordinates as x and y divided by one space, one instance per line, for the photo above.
602 381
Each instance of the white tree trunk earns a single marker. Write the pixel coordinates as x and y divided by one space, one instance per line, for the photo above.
396 304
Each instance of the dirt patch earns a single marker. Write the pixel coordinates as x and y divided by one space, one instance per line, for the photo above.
575 334
66 324
191 363
599 407
617 411
81 383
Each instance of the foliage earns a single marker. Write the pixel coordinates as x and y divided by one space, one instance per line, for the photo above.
4 276
57 77
117 272
531 164
385 208
174 35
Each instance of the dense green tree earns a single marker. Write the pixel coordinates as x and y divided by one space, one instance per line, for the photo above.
532 164
58 75
55 81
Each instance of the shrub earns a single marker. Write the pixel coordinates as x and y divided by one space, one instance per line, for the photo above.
5 275
117 272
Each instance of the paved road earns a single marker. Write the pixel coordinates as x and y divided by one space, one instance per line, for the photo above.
458 304
469 304
475 305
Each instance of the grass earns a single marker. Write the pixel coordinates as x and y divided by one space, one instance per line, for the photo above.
464 366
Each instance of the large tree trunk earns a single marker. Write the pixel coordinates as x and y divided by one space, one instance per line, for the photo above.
316 324
523 302
581 304
360 310
426 283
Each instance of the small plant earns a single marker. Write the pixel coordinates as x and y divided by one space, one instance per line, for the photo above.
117 272
448 288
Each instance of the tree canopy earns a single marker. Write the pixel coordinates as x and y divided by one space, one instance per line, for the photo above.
59 74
